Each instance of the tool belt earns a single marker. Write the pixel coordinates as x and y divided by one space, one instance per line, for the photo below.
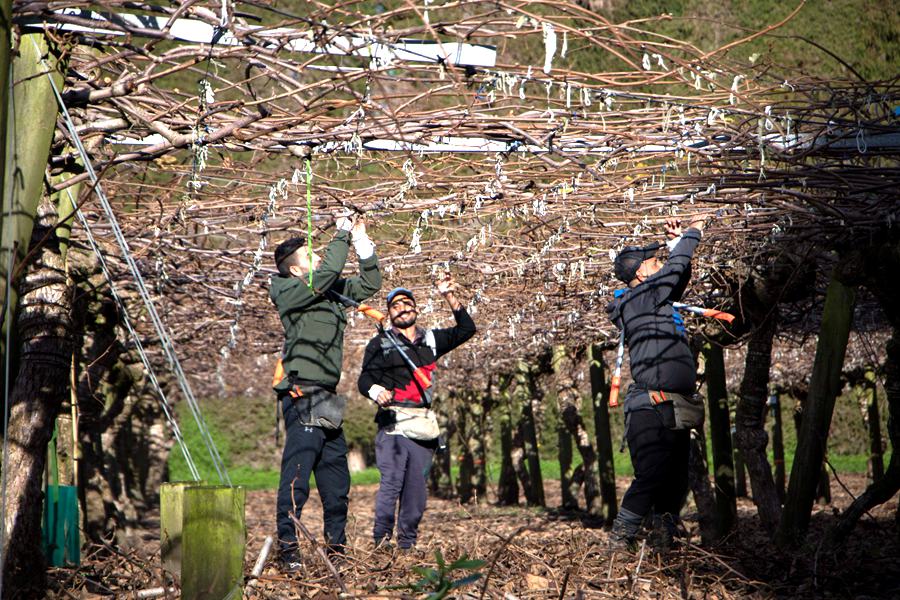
687 411
412 423
316 406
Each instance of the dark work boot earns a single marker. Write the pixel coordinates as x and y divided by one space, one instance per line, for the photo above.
290 563
623 535
666 530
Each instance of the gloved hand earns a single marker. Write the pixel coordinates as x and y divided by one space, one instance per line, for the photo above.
343 224
361 242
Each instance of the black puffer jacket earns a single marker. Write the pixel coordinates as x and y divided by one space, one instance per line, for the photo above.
654 332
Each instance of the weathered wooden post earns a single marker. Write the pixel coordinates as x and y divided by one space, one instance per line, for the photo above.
5 60
214 536
171 500
525 392
873 426
507 484
720 438
824 386
740 471
777 445
43 322
600 400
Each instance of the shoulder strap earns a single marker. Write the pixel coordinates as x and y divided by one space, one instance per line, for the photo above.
431 342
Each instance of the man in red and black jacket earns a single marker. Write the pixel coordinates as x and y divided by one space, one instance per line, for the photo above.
388 379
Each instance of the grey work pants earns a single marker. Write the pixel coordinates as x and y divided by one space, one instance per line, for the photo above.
404 466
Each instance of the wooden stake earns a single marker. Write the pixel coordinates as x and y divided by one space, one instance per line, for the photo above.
171 498
214 536
824 386
720 438
777 445
600 398
873 424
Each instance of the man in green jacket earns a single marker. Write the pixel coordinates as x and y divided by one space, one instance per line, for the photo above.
314 325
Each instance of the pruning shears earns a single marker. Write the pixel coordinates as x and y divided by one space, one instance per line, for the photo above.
419 374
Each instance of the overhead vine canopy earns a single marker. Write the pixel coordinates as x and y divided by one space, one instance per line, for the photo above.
518 145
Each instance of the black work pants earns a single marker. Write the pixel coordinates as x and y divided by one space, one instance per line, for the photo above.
660 458
307 450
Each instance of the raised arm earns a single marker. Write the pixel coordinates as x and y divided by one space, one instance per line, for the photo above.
672 279
447 339
368 282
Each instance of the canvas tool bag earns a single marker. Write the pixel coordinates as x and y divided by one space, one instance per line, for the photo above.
688 410
319 407
415 423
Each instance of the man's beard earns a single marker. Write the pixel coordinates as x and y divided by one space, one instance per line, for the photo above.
405 319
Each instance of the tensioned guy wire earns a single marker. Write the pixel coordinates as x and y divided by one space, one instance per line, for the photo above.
165 340
176 431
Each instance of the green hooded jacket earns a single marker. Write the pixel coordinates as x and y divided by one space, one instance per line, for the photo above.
314 325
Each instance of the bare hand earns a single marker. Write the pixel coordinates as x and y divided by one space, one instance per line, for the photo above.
698 223
385 398
673 228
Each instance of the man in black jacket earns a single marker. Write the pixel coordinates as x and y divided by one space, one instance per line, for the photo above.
402 451
661 363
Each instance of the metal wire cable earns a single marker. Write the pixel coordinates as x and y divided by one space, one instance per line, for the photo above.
167 410
165 340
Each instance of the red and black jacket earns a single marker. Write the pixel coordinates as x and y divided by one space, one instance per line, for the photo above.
383 365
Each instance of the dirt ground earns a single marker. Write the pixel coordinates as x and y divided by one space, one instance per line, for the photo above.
531 553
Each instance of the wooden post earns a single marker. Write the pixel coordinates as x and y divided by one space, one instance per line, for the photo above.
720 438
30 125
44 320
777 445
740 472
507 484
873 425
526 392
213 541
171 501
600 398
824 386
5 58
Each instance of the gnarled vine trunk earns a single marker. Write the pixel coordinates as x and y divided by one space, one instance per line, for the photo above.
751 436
44 326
